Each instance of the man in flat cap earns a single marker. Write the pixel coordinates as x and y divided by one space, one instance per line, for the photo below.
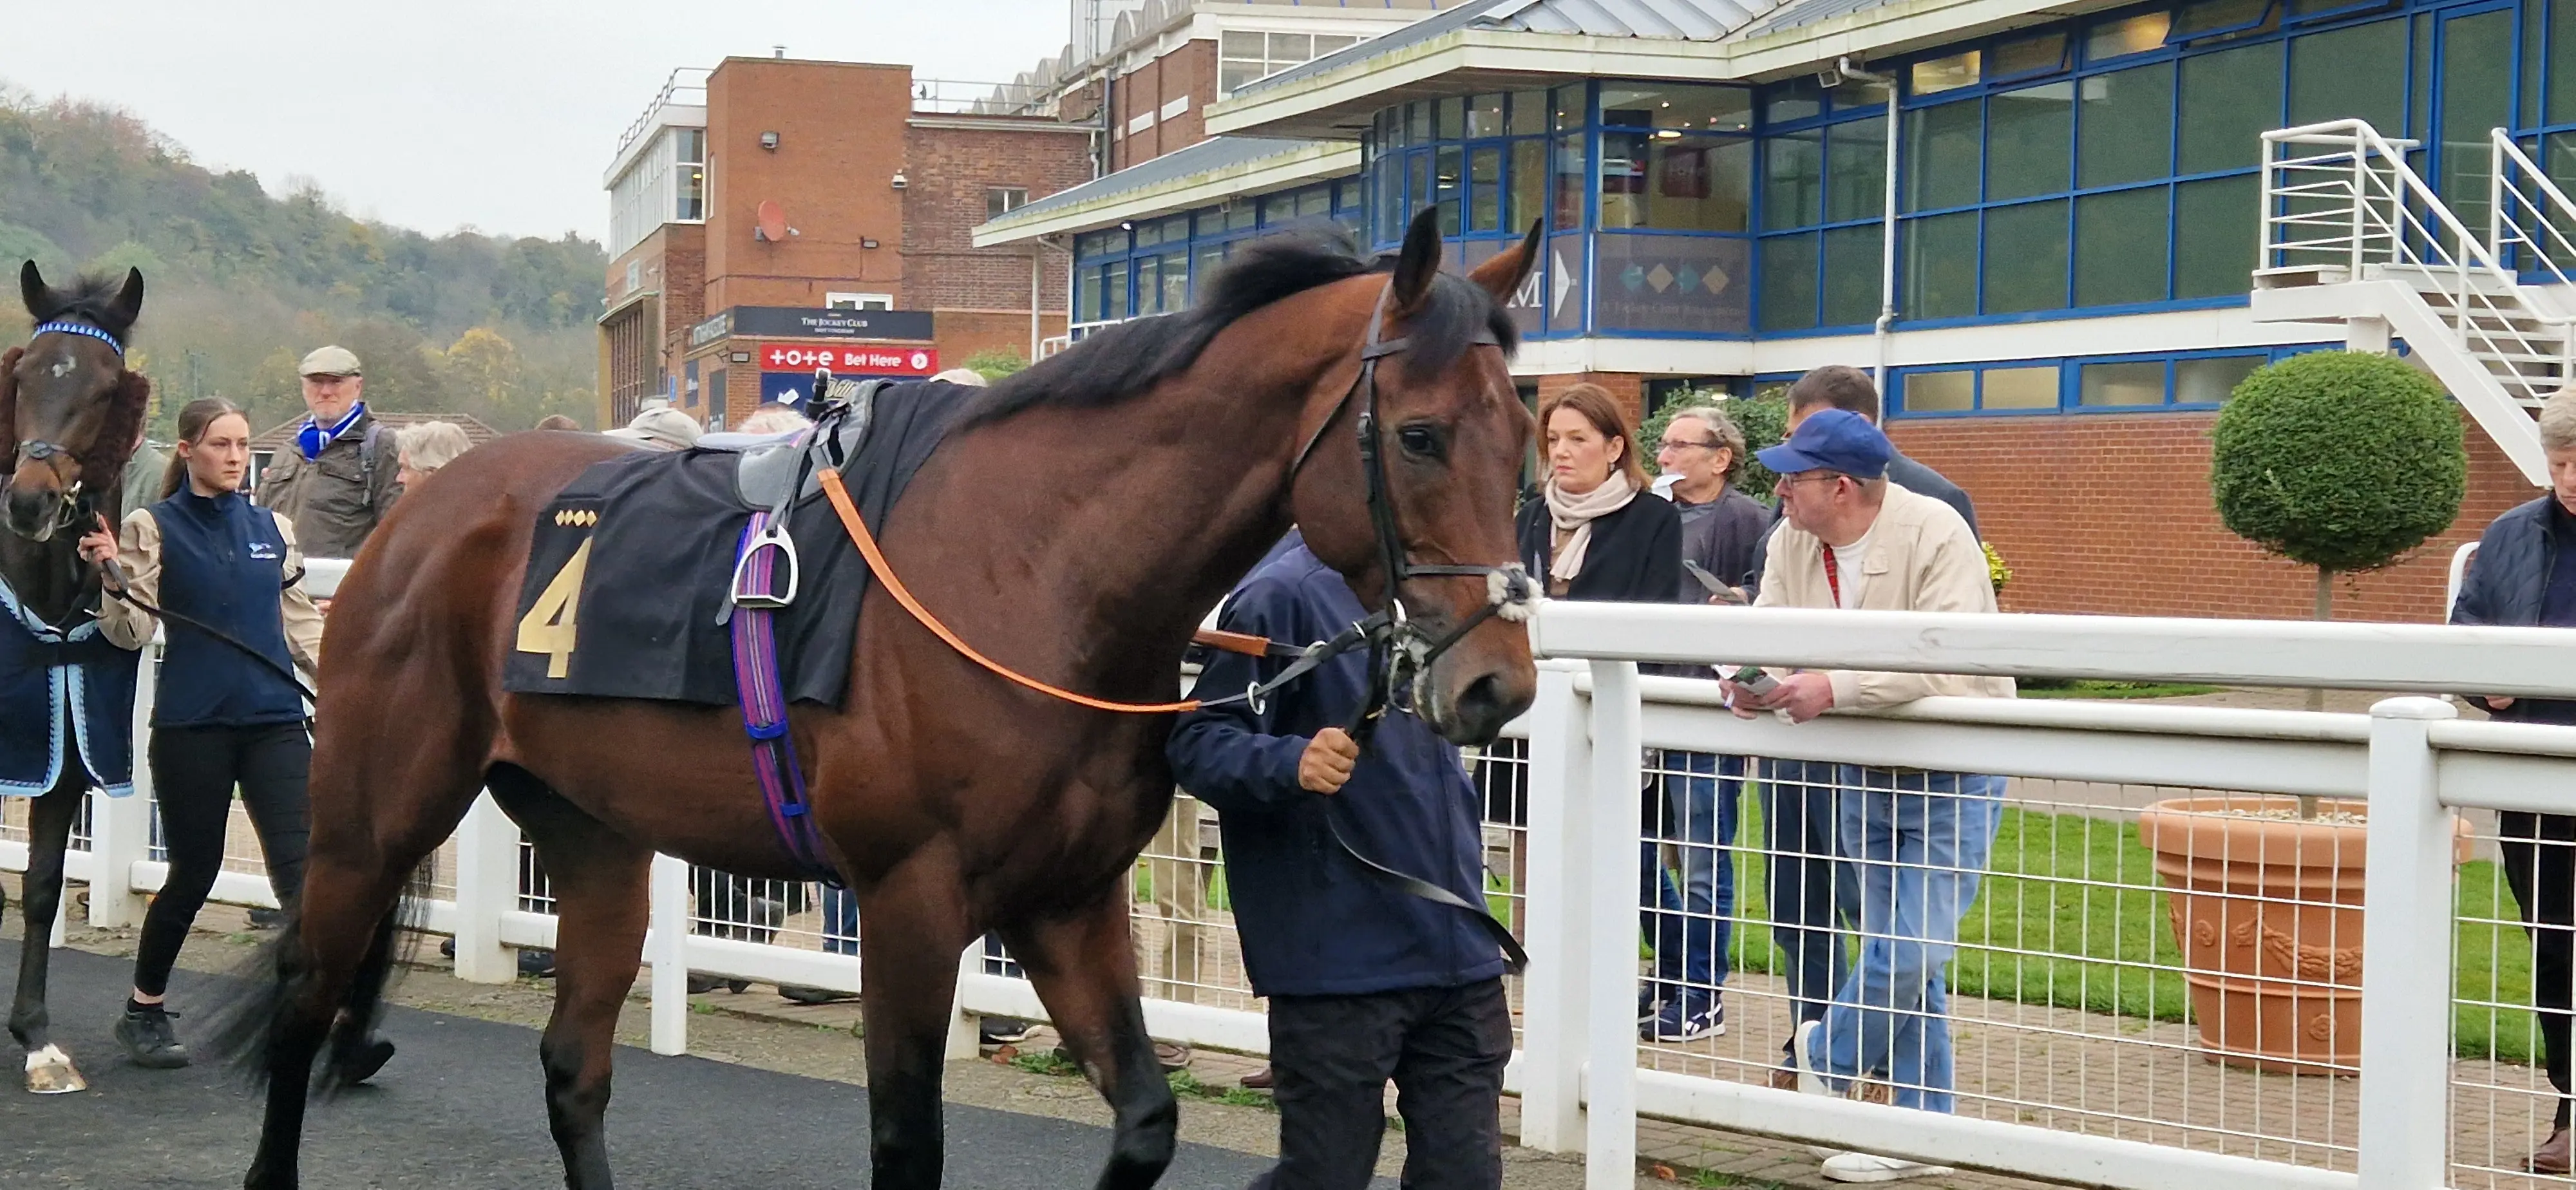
336 479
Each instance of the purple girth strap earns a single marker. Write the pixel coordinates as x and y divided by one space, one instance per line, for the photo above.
764 716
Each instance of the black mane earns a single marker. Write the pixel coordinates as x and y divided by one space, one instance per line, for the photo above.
1123 361
90 298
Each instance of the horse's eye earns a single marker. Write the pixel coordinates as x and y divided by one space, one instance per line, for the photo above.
1421 442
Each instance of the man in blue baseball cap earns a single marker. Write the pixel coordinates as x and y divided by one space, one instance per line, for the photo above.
1914 843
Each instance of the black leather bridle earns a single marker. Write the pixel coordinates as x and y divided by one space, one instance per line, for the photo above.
1400 651
74 506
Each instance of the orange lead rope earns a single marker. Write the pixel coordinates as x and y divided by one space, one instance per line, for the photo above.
867 543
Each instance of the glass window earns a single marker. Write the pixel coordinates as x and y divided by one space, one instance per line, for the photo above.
2229 100
2135 35
2030 140
2561 98
1316 203
1485 189
1788 282
1940 264
1237 215
1113 302
2120 247
2353 73
2209 17
1288 49
1683 107
1388 201
691 202
2025 257
1943 149
1176 281
1450 173
1149 284
1857 178
2133 383
2030 55
1852 275
1417 123
1792 100
1278 208
1940 392
2212 380
1086 295
1529 113
1002 200
1417 193
1211 258
2124 126
2214 225
1451 118
1328 43
1852 94
1793 179
1572 182
1947 74
1567 107
2018 388
1529 184
1148 234
1485 115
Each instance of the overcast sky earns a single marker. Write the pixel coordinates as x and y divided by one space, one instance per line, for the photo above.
501 114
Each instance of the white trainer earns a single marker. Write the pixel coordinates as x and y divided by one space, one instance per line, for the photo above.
1865 1167
1803 1052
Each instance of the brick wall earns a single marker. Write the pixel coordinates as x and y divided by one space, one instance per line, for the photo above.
963 333
1190 72
684 288
841 140
2112 514
1627 388
950 167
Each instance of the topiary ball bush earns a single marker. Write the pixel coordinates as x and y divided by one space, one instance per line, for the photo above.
2339 460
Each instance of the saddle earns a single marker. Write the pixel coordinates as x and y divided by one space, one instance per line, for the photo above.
637 568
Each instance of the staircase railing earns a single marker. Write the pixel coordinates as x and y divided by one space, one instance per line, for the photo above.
2338 195
2527 214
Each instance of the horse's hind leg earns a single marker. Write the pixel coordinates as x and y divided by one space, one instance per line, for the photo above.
913 924
598 878
49 829
1084 968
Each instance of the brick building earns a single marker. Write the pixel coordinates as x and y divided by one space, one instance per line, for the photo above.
2074 196
771 215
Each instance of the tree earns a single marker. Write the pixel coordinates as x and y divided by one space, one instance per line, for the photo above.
483 372
2343 461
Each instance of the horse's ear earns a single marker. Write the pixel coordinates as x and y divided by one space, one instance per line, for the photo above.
1502 276
1420 260
33 290
129 300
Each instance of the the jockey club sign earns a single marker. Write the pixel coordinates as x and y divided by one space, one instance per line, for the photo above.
849 359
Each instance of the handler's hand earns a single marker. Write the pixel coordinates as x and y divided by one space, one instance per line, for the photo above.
99 544
1326 766
1803 695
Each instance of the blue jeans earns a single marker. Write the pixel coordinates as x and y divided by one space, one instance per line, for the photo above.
1918 843
1810 889
841 933
1688 920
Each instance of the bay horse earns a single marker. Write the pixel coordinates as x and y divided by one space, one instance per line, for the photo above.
1076 525
69 416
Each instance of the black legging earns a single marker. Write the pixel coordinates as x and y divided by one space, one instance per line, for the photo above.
2540 865
194 770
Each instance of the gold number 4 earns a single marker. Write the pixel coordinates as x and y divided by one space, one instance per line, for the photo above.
551 625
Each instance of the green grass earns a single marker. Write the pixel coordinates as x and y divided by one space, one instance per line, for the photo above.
2089 688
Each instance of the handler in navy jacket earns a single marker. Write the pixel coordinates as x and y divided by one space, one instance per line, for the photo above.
2524 575
1365 982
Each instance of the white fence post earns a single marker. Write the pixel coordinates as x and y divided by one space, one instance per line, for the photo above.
666 947
965 1029
487 883
1558 841
1610 1083
2405 984
120 828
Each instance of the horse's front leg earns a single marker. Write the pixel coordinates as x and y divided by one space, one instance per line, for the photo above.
1084 968
913 925
49 1069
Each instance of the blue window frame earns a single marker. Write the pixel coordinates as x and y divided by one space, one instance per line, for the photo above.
1159 265
2188 380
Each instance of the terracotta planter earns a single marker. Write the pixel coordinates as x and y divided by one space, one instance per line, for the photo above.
2267 913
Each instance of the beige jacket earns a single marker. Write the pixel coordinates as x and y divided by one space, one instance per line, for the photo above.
1922 557
138 551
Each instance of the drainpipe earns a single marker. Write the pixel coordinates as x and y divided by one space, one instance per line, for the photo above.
1887 222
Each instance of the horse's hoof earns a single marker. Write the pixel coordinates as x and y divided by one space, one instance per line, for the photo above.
50 1072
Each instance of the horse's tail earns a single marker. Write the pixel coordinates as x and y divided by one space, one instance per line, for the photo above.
251 1022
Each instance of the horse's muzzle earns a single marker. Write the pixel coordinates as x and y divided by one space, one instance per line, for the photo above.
36 514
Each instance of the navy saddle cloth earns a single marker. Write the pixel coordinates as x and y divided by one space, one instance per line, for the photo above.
630 572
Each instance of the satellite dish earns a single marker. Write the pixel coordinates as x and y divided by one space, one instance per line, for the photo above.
773 221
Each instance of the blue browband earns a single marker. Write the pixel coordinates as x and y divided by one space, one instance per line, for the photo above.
82 328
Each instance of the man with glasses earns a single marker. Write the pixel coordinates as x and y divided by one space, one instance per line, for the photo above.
1913 843
1692 932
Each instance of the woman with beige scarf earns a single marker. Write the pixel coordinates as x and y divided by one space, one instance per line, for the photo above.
1595 532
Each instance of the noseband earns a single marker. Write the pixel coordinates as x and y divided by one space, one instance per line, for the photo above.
1401 652
73 506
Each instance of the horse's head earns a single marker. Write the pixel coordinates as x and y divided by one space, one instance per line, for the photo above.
1427 392
69 409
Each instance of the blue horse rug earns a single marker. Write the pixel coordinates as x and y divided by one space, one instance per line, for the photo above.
64 695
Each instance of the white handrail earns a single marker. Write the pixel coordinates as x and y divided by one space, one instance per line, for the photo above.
2362 141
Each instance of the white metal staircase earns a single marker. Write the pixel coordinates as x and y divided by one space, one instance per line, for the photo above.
2352 235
